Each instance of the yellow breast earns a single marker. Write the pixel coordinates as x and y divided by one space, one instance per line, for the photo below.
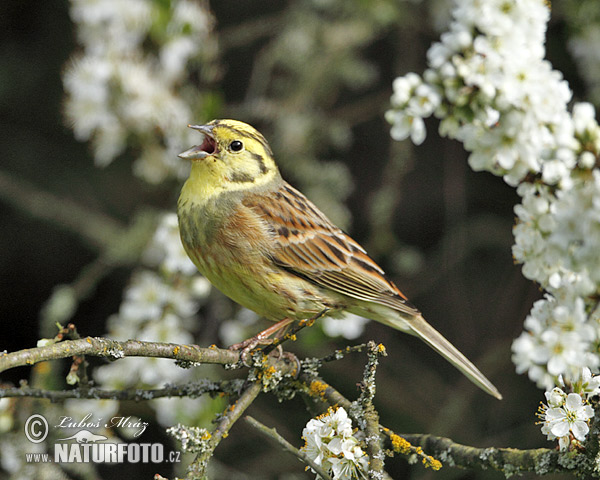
230 245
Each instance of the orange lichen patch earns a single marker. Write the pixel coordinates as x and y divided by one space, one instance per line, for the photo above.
212 347
400 444
307 323
403 446
88 339
317 388
381 349
176 350
432 462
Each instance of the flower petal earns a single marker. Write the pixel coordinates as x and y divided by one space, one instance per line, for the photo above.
560 429
580 430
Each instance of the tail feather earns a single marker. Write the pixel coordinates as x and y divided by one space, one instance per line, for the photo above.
422 329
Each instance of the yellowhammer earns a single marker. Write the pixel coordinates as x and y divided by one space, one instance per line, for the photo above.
266 246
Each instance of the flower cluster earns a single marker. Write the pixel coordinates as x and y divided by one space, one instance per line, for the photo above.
488 83
559 339
566 417
118 90
557 239
492 89
330 443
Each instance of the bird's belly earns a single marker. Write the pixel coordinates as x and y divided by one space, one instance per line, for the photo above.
237 266
258 286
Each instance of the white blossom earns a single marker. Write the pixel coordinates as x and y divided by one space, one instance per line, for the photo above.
497 94
589 384
117 89
565 415
330 443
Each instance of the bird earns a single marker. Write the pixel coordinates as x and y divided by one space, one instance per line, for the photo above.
262 243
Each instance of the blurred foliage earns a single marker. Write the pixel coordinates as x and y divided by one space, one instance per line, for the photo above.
314 76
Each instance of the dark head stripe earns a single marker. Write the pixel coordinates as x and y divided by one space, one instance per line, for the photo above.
253 135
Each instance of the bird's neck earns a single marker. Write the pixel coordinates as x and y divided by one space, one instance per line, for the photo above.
202 186
207 182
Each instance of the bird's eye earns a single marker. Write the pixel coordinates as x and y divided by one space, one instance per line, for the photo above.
236 146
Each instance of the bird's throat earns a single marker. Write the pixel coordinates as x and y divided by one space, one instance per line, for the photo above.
204 184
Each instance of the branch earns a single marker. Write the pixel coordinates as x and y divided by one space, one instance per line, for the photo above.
272 434
511 461
371 417
191 390
114 349
197 469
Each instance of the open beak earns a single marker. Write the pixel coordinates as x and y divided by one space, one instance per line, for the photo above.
206 148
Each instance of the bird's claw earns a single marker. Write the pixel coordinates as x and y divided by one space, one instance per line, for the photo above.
247 346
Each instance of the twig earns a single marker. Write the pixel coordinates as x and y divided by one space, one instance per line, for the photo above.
319 390
339 354
292 330
78 371
190 390
197 469
402 446
508 460
271 433
371 417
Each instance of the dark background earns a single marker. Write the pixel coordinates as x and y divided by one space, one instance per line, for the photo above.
457 222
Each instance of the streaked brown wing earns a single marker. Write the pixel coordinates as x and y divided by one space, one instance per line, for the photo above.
309 245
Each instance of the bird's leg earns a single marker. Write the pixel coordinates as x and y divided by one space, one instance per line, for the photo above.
288 332
262 338
291 331
280 332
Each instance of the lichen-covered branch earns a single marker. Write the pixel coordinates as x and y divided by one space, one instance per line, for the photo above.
510 461
197 469
114 349
435 451
370 415
190 390
279 375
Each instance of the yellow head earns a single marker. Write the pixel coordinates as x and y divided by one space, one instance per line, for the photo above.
233 156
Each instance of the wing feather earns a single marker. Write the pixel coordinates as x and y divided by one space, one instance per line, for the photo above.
309 245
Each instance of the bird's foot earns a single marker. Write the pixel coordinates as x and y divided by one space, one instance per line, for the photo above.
264 338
